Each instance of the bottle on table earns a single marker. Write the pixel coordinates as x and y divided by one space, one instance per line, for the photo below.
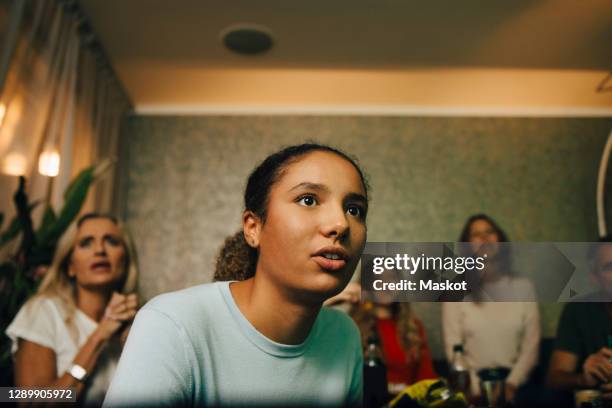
459 374
375 393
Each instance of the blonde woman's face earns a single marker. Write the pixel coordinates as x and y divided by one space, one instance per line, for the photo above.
98 255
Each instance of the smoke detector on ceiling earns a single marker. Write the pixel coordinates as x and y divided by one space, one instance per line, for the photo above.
247 39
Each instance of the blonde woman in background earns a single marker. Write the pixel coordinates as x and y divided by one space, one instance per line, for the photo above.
70 333
402 335
404 343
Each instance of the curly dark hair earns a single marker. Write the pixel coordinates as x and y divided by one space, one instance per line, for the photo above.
236 260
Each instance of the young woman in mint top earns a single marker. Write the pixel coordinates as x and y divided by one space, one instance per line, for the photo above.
259 336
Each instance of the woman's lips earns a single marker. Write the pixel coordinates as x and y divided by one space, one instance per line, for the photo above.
101 266
331 258
331 265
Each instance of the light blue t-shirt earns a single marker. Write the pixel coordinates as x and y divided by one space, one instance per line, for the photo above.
195 348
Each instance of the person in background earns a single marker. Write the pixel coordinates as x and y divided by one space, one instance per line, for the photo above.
582 357
494 334
348 298
259 335
404 343
70 333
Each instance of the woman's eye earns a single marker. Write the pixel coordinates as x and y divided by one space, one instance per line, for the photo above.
113 241
84 243
307 201
355 211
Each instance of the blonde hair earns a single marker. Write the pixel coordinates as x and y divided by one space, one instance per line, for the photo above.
58 285
407 329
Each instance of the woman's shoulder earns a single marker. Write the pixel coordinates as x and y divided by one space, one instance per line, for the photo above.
37 321
183 297
339 321
181 304
42 307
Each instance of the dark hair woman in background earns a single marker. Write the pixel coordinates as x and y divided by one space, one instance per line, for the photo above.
493 333
69 333
261 337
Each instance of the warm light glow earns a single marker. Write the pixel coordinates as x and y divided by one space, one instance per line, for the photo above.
2 113
15 164
49 163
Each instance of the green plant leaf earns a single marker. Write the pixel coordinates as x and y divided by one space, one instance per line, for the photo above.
72 205
43 255
14 226
11 232
85 176
74 197
8 270
19 288
49 219
89 173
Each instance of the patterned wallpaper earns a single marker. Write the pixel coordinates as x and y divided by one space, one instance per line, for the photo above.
185 176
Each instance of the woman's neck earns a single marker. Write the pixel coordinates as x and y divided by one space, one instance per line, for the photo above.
92 303
273 313
491 274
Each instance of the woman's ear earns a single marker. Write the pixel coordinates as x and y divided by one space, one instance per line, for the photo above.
251 227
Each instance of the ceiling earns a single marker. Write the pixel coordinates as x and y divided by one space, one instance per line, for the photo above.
390 54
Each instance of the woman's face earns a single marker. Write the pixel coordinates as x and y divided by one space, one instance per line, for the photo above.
483 238
98 256
482 232
315 228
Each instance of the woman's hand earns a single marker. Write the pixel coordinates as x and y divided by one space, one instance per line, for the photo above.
597 368
606 390
120 311
510 393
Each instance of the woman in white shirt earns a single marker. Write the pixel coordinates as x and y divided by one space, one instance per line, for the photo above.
69 333
494 334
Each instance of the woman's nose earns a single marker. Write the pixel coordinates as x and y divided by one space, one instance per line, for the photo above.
335 223
100 248
490 238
